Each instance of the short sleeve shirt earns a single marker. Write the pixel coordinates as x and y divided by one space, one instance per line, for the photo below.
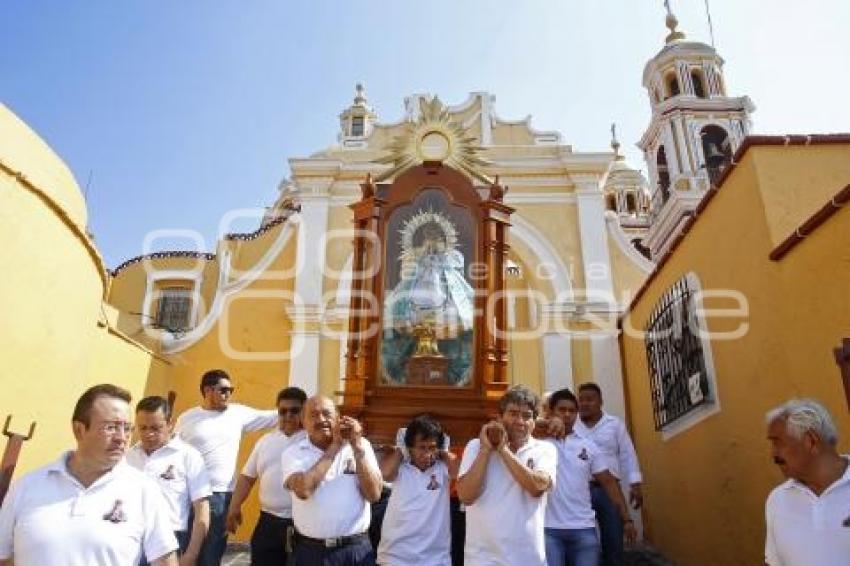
336 508
416 528
265 463
805 529
504 526
179 471
48 517
216 435
568 506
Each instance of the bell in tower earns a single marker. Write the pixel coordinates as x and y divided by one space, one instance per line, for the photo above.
694 130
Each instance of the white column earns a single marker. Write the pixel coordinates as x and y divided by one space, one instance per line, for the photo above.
594 240
557 361
607 371
307 311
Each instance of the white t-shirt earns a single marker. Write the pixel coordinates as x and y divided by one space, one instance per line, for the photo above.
216 435
179 471
48 517
265 463
504 526
806 530
568 506
416 528
336 508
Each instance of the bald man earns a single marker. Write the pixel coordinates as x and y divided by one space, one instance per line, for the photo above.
334 475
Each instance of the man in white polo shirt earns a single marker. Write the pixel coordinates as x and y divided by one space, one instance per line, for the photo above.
570 521
611 437
505 475
88 507
417 525
274 527
334 475
179 471
215 429
808 516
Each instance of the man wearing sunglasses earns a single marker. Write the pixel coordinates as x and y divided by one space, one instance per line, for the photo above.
274 527
215 429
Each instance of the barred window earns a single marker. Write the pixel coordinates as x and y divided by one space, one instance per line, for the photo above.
174 310
679 380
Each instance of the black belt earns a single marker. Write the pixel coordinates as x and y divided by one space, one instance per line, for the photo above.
333 542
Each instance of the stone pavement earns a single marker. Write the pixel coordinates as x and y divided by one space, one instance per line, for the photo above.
239 555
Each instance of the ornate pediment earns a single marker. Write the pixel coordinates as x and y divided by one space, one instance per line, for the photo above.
434 137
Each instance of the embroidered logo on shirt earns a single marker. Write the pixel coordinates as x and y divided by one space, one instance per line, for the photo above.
349 467
530 464
433 484
583 455
846 522
116 515
168 474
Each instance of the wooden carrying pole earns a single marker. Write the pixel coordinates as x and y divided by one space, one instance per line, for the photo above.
10 455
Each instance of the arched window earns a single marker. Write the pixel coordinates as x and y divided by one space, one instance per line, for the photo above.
611 202
672 82
699 84
663 174
716 150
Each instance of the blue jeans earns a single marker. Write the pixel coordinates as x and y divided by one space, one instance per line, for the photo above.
216 541
610 526
571 547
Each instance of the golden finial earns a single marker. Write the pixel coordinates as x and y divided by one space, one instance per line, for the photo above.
671 22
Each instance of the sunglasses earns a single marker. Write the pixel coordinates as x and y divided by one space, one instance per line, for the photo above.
283 411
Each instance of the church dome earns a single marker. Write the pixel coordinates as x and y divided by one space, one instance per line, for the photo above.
23 151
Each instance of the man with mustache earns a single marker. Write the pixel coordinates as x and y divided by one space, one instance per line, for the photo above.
505 475
334 475
808 516
89 506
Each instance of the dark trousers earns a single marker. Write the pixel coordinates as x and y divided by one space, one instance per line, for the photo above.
610 526
268 542
357 554
216 542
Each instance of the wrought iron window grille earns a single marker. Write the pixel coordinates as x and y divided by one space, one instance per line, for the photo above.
677 367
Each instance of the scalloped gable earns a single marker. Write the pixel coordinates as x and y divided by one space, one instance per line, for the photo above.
476 114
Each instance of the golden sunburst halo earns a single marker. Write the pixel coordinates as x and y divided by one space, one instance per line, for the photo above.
434 137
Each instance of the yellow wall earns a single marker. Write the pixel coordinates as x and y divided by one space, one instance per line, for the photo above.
705 487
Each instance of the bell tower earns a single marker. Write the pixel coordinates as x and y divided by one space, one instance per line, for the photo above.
694 130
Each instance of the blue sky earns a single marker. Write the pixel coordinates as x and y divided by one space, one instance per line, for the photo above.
183 111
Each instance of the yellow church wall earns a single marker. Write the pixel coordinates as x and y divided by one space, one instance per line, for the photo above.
559 225
582 358
797 180
706 486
